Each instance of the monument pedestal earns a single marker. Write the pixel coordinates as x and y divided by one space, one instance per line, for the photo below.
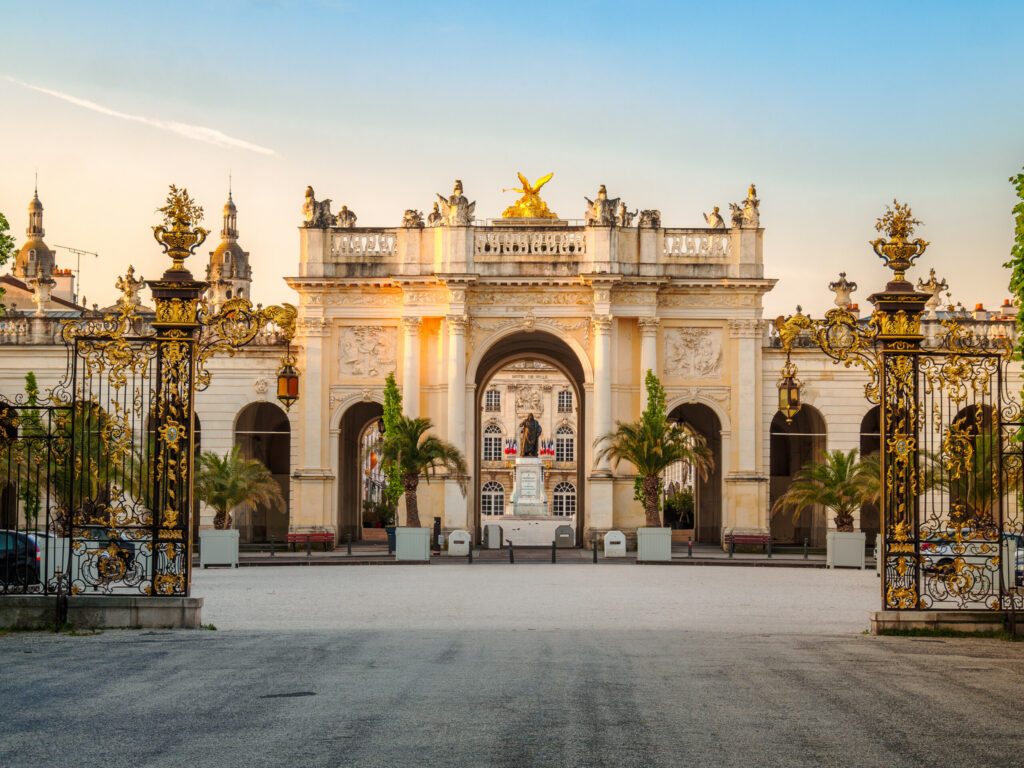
528 496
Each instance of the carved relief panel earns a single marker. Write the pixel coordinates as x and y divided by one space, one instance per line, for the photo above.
693 353
367 350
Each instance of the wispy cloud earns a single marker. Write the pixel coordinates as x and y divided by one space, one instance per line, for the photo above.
195 132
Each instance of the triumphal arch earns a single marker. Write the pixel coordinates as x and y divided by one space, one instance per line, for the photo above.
484 320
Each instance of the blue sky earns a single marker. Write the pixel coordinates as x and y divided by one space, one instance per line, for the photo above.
833 109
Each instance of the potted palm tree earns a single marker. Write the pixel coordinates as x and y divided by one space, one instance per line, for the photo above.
652 445
842 484
409 449
224 482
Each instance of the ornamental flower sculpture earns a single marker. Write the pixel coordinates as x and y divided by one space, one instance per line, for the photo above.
180 234
898 252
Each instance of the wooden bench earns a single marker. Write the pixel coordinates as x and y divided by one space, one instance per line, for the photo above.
762 540
312 537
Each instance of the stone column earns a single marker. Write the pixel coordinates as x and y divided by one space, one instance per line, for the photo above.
312 482
411 366
648 353
602 383
455 503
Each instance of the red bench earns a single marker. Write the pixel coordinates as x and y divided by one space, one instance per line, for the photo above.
750 539
312 537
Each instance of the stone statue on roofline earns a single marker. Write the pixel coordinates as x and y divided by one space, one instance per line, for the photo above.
129 288
412 219
601 211
316 213
346 219
714 219
457 210
843 289
624 218
935 287
747 214
434 218
650 218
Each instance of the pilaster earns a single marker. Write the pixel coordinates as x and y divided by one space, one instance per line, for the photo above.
648 353
411 366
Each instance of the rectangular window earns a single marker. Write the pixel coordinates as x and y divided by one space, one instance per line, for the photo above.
564 449
565 401
492 448
492 400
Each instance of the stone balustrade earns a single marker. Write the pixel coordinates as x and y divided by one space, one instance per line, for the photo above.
696 244
488 243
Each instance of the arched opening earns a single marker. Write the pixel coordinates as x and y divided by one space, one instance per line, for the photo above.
793 446
529 373
361 505
870 442
706 517
262 432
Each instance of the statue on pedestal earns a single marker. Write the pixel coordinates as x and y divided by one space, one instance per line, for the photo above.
529 437
748 213
530 205
624 218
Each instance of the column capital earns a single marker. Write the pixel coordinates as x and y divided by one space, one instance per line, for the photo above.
602 323
312 326
411 324
648 325
746 328
457 323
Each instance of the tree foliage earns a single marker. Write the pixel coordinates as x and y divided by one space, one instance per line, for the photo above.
392 415
1016 262
7 244
413 454
652 445
226 481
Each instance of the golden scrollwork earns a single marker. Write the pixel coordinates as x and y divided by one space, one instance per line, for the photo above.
235 325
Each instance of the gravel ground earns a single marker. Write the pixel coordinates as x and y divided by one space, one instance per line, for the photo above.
539 596
514 666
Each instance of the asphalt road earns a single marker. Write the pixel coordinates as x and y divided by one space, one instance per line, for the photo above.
411 695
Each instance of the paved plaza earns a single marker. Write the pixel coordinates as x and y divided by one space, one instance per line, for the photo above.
498 665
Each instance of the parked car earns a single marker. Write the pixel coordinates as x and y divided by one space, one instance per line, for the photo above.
21 559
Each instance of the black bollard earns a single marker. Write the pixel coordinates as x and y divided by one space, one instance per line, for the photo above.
273 546
732 548
689 546
553 550
769 546
595 549
469 557
511 551
805 548
348 543
309 546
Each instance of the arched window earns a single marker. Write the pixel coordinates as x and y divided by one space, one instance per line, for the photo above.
565 401
492 499
492 442
492 401
564 500
565 444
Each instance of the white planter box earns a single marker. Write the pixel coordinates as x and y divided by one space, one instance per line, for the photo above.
615 544
845 550
653 545
459 544
218 547
412 544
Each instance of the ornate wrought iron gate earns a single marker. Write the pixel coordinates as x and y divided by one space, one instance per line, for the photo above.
96 473
951 478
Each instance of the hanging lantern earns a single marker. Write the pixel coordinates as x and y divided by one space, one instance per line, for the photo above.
288 381
789 392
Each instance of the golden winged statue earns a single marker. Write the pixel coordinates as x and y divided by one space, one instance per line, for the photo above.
530 205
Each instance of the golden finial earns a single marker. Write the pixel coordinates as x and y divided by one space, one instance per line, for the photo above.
898 252
180 234
530 205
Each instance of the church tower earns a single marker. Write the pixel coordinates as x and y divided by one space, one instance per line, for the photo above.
34 259
228 271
